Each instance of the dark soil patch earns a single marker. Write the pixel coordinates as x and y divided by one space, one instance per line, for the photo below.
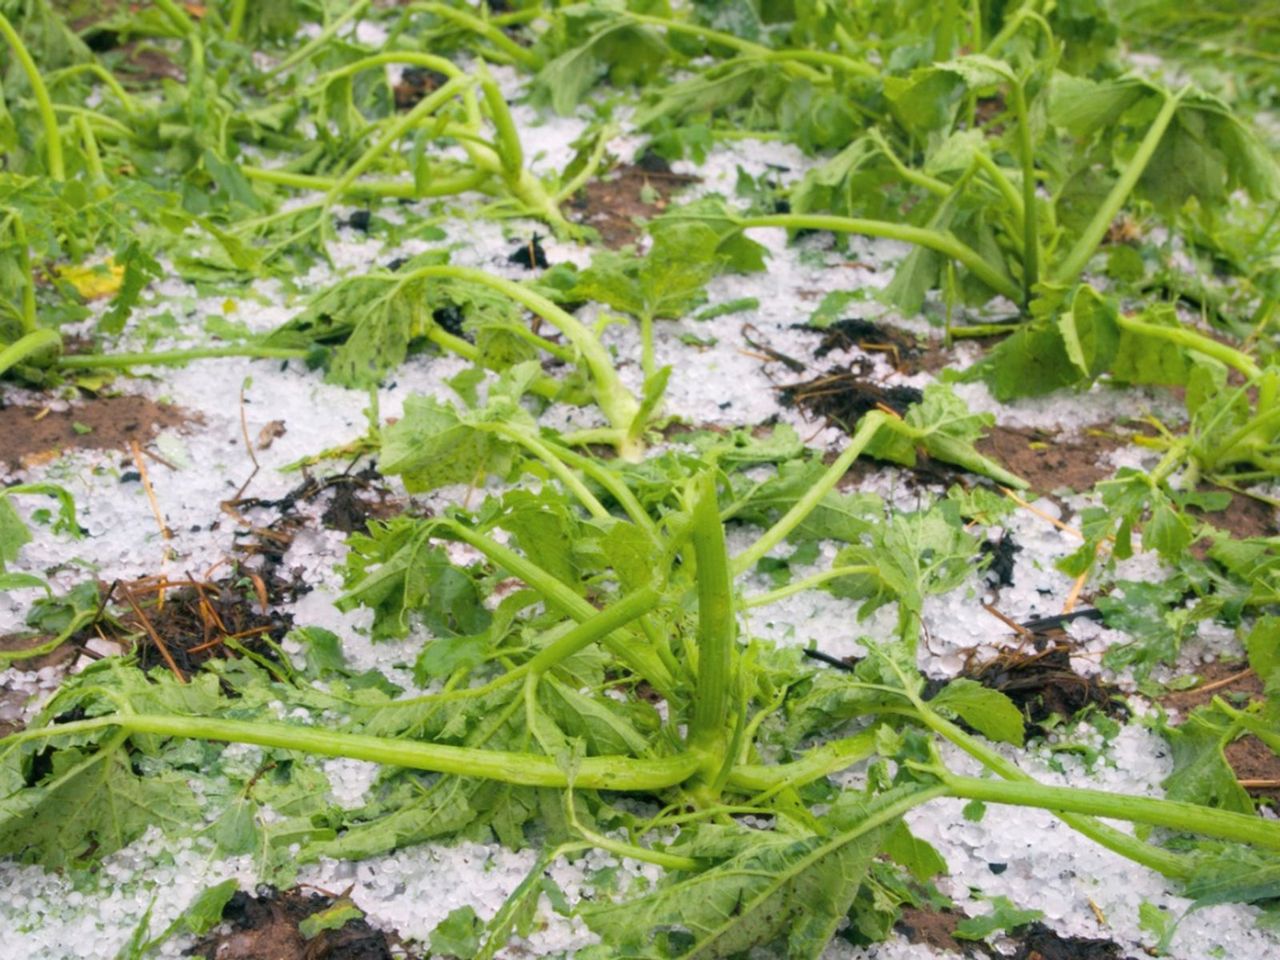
843 395
415 83
632 194
1049 463
1037 942
179 625
265 927
1039 679
902 349
32 435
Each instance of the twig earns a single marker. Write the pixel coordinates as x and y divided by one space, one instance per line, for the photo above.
153 634
1224 682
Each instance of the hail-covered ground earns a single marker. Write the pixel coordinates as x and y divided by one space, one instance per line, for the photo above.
1026 855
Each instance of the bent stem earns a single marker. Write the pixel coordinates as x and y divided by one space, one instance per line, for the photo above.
1076 260
52 137
938 241
521 769
608 391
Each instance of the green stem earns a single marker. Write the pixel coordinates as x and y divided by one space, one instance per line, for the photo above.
943 243
614 400
819 762
111 361
236 21
1171 814
52 137
410 58
1078 258
1030 224
723 39
526 439
1193 341
392 189
716 623
640 658
102 73
612 484
1163 861
30 322
303 52
25 346
807 583
545 387
867 429
394 132
523 769
522 55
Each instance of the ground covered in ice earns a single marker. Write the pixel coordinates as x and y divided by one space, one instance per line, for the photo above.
191 498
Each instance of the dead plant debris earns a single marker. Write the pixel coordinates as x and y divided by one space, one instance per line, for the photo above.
264 926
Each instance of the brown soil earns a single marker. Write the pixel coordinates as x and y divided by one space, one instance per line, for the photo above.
1256 766
933 928
32 435
1048 463
415 83
265 927
1244 517
616 206
1222 678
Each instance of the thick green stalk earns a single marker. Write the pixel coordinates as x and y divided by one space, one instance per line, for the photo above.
52 137
1162 861
412 58
26 346
114 361
236 21
716 625
867 428
614 617
524 769
391 189
819 762
1078 258
1192 340
1171 814
522 55
943 243
1030 224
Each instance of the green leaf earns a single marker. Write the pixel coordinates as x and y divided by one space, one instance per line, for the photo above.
334 917
1201 773
91 804
1004 915
918 856
778 887
1263 646
458 934
988 711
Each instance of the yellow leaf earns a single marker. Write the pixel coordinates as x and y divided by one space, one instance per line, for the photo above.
93 282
